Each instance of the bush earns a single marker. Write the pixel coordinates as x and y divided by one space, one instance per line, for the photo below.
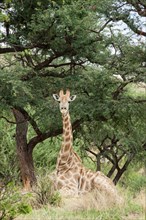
41 152
12 203
134 180
44 193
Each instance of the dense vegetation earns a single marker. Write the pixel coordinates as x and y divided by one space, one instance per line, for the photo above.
94 48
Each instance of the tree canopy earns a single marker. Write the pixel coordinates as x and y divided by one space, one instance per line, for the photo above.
84 46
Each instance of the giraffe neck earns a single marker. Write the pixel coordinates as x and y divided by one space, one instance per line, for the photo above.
67 133
66 152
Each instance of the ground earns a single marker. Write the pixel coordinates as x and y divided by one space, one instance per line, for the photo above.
132 209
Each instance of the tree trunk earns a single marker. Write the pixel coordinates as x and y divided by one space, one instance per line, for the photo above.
123 169
98 163
112 170
24 154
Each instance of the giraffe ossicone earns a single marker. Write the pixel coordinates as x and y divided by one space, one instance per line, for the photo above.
72 178
64 100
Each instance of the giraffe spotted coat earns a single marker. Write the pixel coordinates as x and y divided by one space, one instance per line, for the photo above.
72 178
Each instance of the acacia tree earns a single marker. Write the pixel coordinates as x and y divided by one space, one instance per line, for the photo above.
48 45
49 39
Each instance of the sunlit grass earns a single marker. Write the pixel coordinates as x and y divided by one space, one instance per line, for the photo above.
48 213
130 209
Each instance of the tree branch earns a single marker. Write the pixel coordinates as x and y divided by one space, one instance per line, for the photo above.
43 136
102 28
48 73
90 151
132 26
139 6
12 49
11 122
120 89
46 62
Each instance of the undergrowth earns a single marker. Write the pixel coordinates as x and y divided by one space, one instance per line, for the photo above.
131 208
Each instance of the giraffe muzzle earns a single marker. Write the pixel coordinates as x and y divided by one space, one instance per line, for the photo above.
63 110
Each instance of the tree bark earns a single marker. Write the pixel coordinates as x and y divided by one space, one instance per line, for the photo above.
123 169
23 152
111 171
98 162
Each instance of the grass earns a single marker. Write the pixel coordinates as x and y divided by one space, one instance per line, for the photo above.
133 208
48 213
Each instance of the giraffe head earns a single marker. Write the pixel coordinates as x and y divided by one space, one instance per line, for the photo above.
64 100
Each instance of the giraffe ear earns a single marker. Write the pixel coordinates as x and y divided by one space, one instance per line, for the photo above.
72 98
56 97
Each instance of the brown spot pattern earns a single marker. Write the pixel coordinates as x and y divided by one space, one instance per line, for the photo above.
66 119
66 147
66 124
67 133
67 139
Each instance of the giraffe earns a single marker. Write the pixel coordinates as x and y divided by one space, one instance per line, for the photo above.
72 178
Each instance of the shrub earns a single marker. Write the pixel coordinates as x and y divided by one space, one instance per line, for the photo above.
12 203
136 182
55 199
44 193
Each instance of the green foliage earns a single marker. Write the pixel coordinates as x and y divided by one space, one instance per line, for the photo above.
24 208
56 199
45 155
136 90
137 183
8 162
12 203
114 214
134 179
76 45
44 192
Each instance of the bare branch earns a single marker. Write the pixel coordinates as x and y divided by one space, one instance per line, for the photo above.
90 151
102 28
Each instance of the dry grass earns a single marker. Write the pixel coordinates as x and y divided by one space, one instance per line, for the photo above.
141 199
92 200
93 206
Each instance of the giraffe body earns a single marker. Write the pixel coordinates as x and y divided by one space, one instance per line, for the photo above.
72 178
